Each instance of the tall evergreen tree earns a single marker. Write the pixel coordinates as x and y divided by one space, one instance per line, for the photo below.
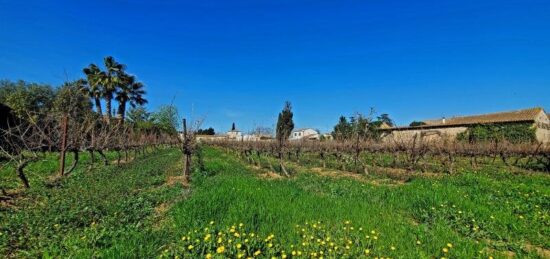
342 130
285 124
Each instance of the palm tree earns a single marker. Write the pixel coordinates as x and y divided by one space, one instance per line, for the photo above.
94 88
129 91
111 81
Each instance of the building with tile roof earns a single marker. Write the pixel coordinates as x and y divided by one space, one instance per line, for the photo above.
452 127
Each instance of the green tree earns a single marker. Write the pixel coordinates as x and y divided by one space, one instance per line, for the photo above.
72 101
138 114
285 124
342 130
94 88
27 100
166 119
385 118
129 91
417 123
111 80
209 131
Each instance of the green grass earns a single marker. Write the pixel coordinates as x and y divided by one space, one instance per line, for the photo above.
112 212
107 212
473 211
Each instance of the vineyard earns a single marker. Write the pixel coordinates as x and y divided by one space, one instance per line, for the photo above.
29 141
413 156
82 183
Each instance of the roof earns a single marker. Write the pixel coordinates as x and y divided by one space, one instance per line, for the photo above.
527 115
304 129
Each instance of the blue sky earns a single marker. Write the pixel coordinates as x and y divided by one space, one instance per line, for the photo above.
239 61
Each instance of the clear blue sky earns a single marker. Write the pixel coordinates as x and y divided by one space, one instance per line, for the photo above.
240 60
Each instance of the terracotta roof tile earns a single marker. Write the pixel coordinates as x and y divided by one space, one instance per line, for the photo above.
501 117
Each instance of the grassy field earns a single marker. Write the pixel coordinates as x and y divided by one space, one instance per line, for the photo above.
231 209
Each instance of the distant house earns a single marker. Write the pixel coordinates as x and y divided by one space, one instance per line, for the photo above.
305 134
450 128
234 135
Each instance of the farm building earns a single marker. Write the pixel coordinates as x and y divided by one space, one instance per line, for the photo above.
234 134
535 120
305 134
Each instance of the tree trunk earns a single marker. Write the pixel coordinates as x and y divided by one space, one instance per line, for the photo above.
121 113
98 106
63 145
283 169
105 160
74 164
21 174
186 154
108 108
118 157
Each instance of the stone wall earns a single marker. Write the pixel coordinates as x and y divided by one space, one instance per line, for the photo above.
427 135
543 135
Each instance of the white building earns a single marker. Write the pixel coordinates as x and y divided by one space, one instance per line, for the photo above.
305 134
234 135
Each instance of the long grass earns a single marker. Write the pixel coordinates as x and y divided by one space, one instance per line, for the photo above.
130 211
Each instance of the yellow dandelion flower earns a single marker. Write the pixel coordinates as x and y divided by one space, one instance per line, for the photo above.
257 253
445 250
220 250
449 245
418 242
190 247
367 251
392 248
239 246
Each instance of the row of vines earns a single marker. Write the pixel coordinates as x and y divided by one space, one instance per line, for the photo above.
26 141
362 156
